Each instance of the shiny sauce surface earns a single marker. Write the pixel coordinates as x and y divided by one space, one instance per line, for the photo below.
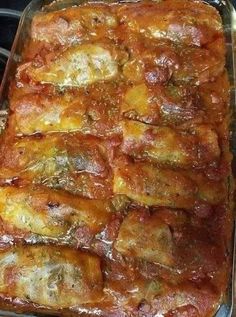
115 177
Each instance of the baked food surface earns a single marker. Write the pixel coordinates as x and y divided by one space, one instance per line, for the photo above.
115 177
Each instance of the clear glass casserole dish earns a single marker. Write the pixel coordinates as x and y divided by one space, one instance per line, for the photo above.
227 13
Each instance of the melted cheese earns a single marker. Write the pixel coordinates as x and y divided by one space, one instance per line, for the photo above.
51 276
78 66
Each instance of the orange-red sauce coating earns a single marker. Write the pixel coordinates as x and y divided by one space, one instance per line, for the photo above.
115 178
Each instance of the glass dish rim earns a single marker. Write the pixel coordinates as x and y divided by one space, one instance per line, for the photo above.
226 309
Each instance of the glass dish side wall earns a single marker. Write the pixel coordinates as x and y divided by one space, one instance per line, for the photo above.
226 10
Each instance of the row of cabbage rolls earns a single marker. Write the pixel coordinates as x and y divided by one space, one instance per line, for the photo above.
115 163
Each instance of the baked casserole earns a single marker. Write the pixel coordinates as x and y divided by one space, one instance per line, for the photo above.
115 168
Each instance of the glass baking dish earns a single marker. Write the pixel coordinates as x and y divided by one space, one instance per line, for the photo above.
228 15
